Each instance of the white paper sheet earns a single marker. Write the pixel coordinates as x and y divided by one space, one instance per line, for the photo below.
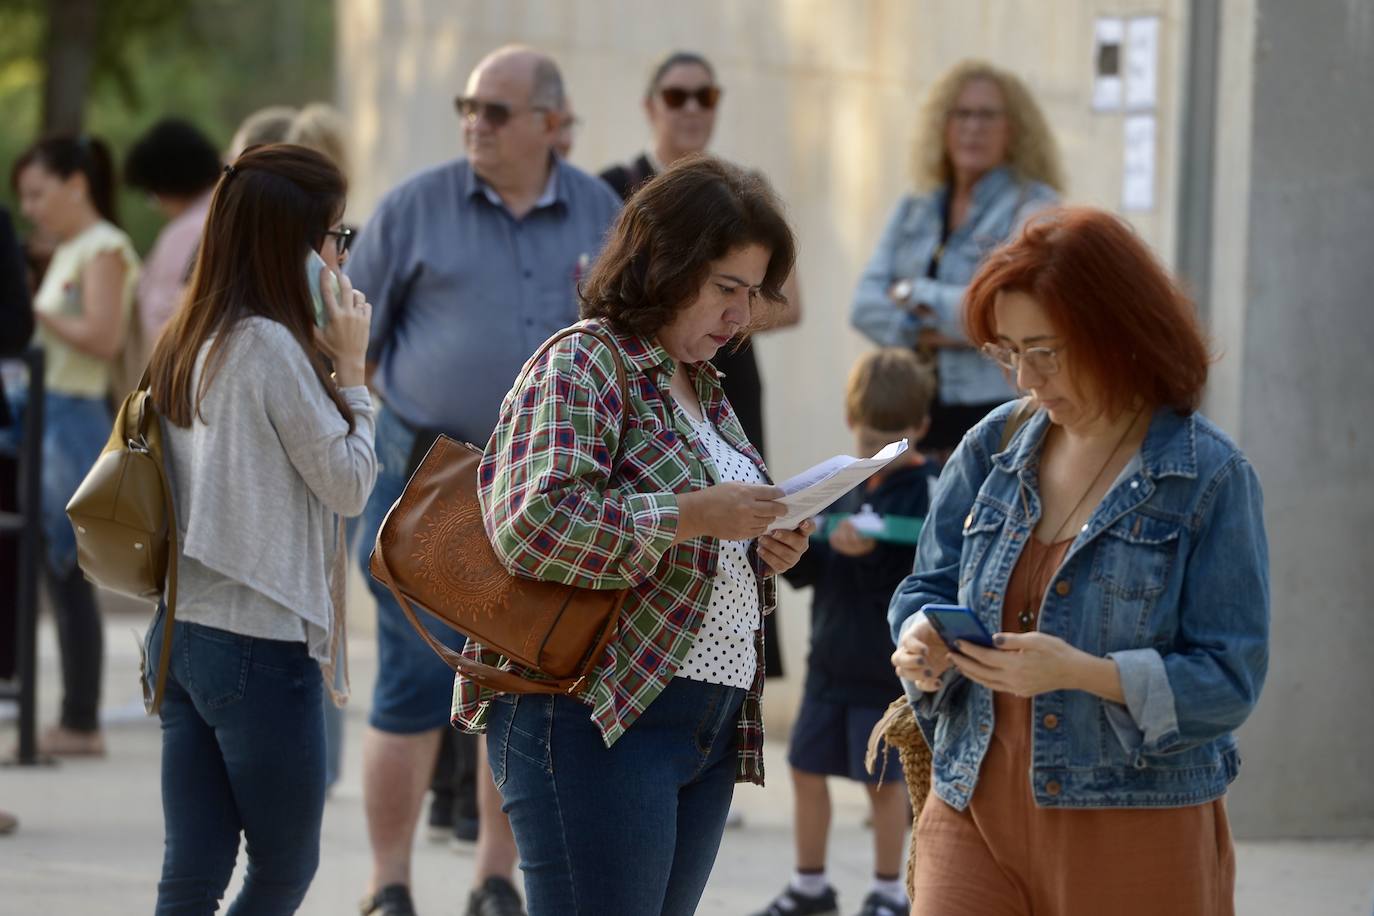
1142 62
809 492
1138 163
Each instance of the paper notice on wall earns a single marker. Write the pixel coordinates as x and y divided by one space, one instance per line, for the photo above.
1138 165
1142 62
1108 35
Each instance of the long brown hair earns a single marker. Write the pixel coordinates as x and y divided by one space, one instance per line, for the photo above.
272 206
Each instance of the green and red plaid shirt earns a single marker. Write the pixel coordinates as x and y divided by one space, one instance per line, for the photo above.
566 498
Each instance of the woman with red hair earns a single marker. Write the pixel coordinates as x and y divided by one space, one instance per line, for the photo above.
1114 545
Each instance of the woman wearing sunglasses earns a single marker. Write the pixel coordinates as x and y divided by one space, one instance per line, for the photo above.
680 104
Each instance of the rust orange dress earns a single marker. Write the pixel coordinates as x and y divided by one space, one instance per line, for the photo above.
1004 856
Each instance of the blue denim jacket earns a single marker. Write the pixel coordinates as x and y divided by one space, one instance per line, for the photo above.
1001 203
1169 578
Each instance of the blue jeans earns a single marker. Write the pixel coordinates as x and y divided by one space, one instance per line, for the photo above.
413 691
632 829
75 430
242 754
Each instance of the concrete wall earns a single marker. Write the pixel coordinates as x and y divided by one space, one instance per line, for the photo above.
822 96
1292 295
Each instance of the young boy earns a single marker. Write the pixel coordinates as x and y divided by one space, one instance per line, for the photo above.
849 677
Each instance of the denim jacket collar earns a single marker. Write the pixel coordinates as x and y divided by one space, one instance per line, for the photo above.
1169 449
986 189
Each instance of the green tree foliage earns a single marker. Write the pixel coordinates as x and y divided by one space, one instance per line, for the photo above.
209 61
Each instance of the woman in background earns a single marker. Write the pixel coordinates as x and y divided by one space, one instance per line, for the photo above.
985 161
66 188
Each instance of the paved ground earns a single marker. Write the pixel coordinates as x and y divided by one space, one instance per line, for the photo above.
91 834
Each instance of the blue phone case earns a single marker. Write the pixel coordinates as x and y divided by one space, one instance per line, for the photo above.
955 622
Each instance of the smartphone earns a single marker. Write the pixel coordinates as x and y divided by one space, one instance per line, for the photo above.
313 265
955 622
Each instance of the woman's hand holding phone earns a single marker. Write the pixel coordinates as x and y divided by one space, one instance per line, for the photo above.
344 336
922 656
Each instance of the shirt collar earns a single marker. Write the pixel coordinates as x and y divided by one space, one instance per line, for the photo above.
1169 449
553 188
646 354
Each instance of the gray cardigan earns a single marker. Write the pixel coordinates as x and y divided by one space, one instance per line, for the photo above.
259 480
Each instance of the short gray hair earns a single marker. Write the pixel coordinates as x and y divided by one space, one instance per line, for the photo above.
548 85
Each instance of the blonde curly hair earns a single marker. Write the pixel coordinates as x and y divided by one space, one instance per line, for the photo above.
1032 153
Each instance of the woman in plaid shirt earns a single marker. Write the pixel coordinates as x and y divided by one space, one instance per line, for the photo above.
618 797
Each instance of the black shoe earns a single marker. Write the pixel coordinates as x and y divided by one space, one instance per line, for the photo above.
792 903
392 900
496 897
876 904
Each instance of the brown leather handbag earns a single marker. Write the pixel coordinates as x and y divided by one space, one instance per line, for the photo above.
432 550
125 523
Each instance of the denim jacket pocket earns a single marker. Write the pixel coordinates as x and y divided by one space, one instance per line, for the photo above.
982 527
217 663
1132 560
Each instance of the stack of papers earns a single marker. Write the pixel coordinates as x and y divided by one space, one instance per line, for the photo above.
811 491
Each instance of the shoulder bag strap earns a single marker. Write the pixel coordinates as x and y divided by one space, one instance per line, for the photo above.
1023 411
164 657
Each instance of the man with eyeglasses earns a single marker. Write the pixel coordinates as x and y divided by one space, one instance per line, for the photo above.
470 266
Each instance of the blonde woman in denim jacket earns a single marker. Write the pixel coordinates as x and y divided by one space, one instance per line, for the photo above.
985 161
1116 548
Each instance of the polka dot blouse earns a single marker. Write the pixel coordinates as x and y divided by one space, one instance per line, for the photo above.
725 650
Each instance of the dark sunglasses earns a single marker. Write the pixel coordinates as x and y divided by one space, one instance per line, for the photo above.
675 98
497 114
343 238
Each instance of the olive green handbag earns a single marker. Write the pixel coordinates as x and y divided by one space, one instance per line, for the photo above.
125 522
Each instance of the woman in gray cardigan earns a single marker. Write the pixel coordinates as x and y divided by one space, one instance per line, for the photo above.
266 452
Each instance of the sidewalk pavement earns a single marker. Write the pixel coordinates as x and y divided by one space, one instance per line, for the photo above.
90 838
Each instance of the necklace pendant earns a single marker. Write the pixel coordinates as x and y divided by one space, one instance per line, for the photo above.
1026 619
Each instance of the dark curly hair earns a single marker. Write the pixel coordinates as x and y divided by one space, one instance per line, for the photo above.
174 158
659 252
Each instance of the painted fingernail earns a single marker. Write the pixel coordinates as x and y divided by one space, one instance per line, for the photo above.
998 640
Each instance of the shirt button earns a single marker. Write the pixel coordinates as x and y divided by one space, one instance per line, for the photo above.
1052 788
1135 485
1051 721
1062 588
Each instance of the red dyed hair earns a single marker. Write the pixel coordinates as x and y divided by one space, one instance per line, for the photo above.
1127 326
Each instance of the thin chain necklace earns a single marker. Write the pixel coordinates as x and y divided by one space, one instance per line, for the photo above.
1044 552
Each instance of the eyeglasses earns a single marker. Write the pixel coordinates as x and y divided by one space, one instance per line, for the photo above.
675 97
1044 361
497 114
343 238
976 116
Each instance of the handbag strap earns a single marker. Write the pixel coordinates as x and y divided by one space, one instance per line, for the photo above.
164 657
1023 411
622 379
